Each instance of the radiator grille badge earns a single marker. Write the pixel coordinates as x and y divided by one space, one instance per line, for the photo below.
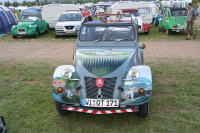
99 82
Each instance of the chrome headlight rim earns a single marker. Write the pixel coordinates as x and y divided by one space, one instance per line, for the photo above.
30 26
66 73
133 73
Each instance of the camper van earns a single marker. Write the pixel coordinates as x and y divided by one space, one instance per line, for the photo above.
51 12
144 9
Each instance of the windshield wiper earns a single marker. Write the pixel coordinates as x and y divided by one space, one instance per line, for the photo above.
118 40
103 38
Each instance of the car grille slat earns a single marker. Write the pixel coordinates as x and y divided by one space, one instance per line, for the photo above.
106 91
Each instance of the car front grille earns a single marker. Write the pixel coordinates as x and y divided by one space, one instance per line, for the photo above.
69 27
21 31
106 91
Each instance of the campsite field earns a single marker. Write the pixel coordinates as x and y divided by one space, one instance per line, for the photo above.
27 66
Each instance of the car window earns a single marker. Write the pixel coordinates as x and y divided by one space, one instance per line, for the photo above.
29 17
106 33
71 17
178 13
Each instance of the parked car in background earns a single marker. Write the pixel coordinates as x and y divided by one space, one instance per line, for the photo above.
68 23
174 19
158 16
31 24
142 26
108 74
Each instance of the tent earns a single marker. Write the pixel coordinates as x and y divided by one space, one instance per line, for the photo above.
7 19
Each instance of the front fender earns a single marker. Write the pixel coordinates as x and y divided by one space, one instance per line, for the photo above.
160 22
130 94
70 93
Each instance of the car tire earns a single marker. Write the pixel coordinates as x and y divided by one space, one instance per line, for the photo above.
146 33
36 34
14 37
155 24
60 110
144 110
159 28
46 31
167 31
56 36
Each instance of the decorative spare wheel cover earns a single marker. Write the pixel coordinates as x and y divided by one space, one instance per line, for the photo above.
99 82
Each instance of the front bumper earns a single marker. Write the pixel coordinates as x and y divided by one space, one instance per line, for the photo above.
62 32
178 29
22 34
100 110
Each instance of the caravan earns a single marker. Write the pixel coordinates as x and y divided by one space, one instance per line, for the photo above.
51 12
144 9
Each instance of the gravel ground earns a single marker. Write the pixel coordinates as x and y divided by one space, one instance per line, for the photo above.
62 51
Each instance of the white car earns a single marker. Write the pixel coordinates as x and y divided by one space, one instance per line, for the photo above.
68 23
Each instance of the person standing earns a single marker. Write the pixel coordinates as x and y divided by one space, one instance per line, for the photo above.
191 17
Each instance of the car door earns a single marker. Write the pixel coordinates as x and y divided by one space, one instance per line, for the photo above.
165 18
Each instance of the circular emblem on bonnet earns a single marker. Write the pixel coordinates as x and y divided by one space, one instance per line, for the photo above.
99 82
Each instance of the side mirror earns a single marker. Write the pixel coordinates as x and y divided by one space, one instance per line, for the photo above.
142 46
55 19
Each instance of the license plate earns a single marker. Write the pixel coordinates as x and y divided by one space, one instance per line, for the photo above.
69 30
100 102
21 32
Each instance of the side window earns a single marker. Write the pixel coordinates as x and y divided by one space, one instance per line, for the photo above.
168 14
165 13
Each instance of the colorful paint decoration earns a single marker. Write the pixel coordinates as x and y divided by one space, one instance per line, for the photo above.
102 62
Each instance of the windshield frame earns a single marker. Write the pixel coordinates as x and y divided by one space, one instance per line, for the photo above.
101 39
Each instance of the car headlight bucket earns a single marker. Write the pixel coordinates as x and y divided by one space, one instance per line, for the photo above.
66 73
59 27
14 26
77 27
133 73
30 26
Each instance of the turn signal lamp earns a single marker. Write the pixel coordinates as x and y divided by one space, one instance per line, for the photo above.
59 90
141 91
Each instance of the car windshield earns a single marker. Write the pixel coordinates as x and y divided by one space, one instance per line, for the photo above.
71 17
178 13
29 17
107 33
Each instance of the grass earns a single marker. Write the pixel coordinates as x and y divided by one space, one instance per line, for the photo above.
154 35
28 106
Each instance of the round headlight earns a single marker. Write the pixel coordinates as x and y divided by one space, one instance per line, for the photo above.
66 73
14 26
30 26
133 73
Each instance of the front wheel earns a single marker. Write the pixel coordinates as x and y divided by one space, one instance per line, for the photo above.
36 34
159 28
60 110
144 110
167 31
14 37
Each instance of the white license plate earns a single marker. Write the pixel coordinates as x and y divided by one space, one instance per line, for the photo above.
21 32
100 102
69 30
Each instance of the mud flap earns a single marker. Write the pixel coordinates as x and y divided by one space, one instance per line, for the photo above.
2 125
